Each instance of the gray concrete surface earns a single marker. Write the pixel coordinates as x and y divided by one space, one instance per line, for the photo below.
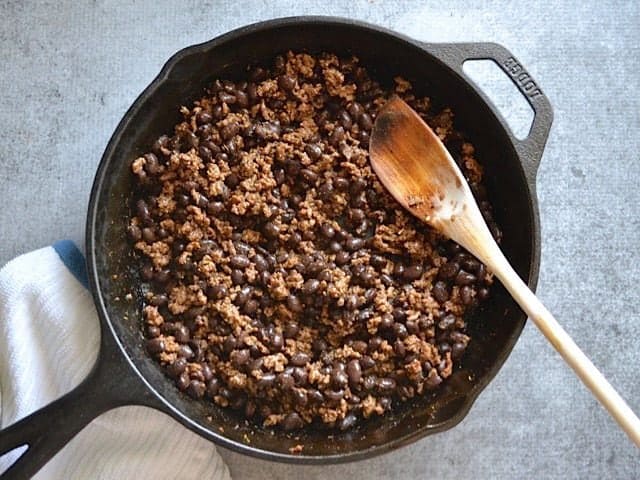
69 70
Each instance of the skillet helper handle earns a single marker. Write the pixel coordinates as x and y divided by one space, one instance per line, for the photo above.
530 148
110 384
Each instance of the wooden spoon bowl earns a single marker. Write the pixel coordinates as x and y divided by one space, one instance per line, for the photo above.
416 168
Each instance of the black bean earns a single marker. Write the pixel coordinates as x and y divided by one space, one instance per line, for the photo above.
341 183
449 270
375 343
267 380
465 278
147 272
400 330
213 386
399 348
155 346
354 243
359 346
347 422
457 350
207 374
365 315
356 215
311 286
433 380
276 341
215 208
217 292
185 351
447 322
226 98
134 233
377 261
398 270
470 264
142 210
163 276
309 176
313 150
152 331
386 280
229 344
251 306
243 295
300 397
291 330
440 292
300 376
271 230
315 396
300 359
354 371
345 119
386 384
412 326
232 180
159 300
365 121
466 295
339 379
286 380
294 304
240 358
319 345
182 334
152 166
334 395
336 136
413 272
342 258
355 110
292 421
286 82
237 277
161 145
351 302
203 117
196 389
239 261
363 136
386 322
182 382
358 186
369 382
176 368
295 238
483 293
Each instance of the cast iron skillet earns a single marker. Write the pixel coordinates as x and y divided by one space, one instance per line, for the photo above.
125 375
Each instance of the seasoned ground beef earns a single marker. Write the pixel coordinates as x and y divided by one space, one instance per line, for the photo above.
284 281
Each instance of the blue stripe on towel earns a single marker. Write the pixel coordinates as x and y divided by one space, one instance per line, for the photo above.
73 260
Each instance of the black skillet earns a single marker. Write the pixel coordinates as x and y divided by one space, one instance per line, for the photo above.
125 375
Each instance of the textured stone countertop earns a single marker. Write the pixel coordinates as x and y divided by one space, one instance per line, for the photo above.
69 70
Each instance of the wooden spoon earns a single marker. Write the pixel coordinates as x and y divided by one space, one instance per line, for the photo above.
416 168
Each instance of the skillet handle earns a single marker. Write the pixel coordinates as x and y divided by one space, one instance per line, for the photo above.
529 149
110 384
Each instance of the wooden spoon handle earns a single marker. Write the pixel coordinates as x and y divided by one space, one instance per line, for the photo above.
560 339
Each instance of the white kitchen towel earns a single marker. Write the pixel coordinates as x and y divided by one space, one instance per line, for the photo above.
49 336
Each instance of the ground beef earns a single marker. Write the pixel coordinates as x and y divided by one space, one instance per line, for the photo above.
284 281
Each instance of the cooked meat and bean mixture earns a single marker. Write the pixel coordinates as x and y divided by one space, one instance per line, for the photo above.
283 280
